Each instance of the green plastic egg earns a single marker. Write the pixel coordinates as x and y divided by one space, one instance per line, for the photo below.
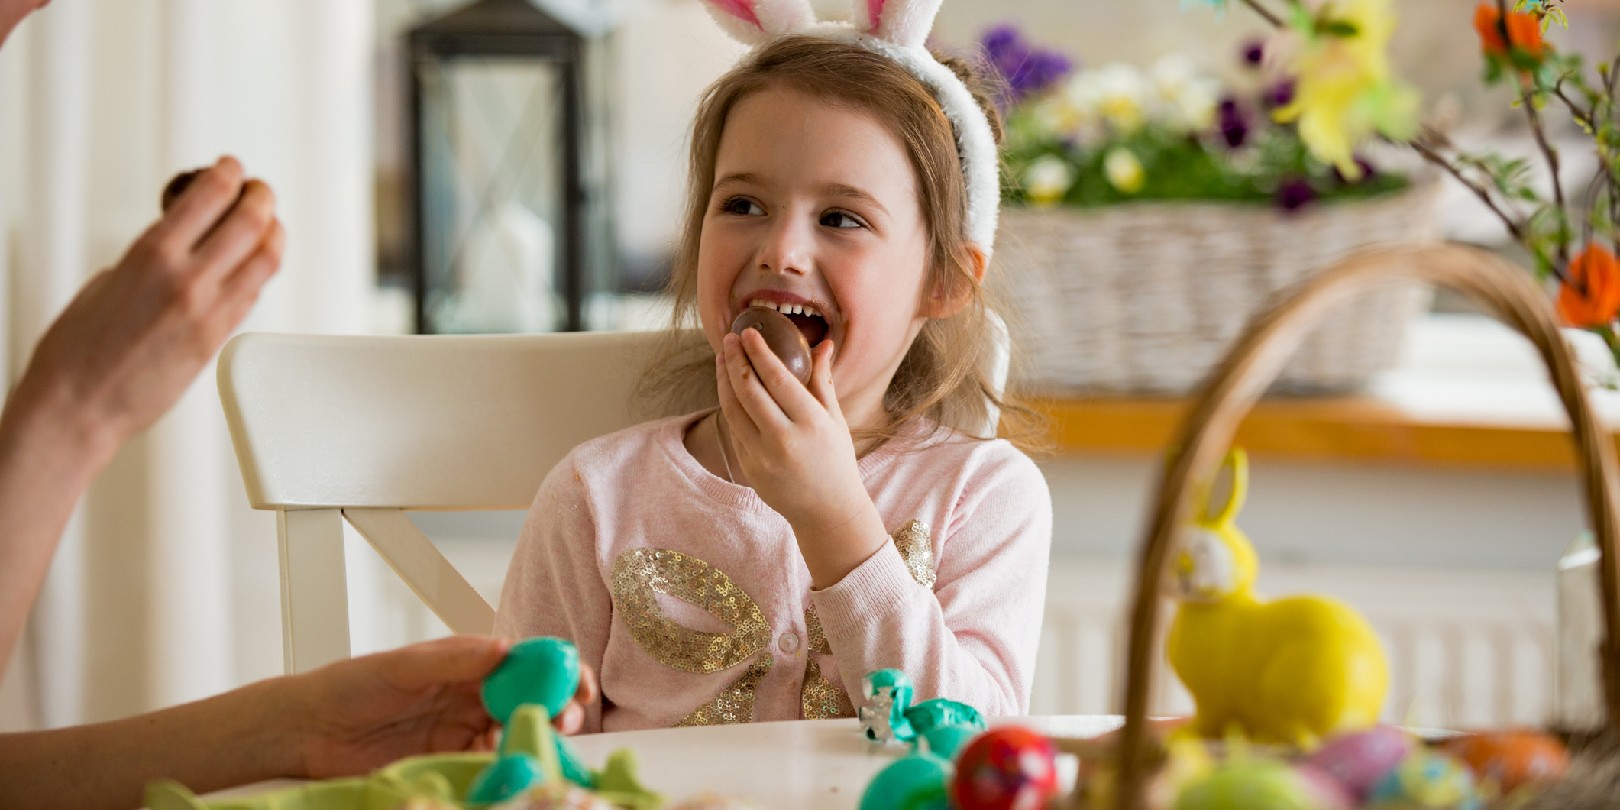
1250 784
541 670
912 782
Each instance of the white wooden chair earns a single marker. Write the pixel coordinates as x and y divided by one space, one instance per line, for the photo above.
364 429
328 428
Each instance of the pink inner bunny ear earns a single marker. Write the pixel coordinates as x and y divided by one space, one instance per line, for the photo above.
874 14
740 9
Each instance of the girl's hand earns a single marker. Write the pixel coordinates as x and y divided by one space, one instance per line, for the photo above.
794 447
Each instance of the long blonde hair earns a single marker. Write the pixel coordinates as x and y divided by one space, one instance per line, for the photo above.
945 375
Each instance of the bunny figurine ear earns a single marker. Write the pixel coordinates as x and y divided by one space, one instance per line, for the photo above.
903 22
754 21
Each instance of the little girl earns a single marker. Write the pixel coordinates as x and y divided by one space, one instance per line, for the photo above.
754 561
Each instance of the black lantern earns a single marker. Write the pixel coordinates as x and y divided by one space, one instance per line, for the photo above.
506 171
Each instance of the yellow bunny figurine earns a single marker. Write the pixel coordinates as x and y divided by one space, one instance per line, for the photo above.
1292 670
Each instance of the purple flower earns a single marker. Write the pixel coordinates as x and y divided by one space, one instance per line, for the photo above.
1254 52
1280 94
1233 120
1294 193
1024 68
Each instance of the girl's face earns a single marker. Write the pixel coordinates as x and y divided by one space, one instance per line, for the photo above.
814 206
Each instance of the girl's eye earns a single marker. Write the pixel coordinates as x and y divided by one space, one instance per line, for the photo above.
841 219
740 205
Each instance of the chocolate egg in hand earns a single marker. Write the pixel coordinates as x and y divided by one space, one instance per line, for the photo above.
177 186
781 335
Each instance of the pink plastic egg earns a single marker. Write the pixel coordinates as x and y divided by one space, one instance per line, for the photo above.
1511 758
1007 768
1361 758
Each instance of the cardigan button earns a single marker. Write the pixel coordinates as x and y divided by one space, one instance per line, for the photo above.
788 642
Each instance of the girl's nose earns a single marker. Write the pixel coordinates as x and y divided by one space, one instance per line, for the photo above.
787 247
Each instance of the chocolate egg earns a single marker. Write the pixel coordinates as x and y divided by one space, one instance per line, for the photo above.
784 339
177 186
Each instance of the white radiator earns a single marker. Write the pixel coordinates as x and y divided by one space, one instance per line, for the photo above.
1466 649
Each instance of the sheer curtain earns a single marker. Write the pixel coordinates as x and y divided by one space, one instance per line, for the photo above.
165 588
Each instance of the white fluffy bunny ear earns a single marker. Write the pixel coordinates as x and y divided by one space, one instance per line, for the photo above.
754 21
904 22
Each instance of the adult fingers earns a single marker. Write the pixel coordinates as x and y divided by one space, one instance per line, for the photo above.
572 718
242 230
440 661
588 689
204 201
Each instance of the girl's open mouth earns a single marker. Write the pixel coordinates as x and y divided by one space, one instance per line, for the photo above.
807 318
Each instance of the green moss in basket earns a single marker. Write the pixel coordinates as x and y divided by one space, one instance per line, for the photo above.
1116 134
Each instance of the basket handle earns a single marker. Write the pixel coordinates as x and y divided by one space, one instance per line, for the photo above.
1232 388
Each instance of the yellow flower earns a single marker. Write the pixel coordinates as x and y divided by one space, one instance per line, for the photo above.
1346 90
1123 170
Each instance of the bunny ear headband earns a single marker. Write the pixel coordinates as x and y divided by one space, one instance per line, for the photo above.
896 29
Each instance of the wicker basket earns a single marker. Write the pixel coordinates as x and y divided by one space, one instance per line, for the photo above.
1145 297
1255 359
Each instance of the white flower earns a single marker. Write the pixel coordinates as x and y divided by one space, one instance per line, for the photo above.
1186 97
1116 92
1047 180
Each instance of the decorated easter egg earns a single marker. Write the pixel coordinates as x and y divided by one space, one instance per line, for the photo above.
1249 784
1326 791
541 670
1426 778
1360 758
912 782
1509 759
505 778
1004 768
556 796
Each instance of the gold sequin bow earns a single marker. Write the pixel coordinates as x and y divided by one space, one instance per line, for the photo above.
641 573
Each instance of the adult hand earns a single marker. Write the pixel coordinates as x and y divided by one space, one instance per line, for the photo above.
354 716
572 717
135 337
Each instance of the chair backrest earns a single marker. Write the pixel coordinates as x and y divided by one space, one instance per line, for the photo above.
367 428
332 428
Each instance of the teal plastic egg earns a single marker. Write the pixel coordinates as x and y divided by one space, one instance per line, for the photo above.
912 782
1426 779
506 777
1249 784
946 741
541 670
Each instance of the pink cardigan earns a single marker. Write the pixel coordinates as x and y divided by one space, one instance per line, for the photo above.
688 595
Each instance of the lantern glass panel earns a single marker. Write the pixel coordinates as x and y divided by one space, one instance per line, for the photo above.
494 220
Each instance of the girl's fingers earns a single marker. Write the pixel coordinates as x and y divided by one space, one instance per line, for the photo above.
821 380
756 402
737 420
784 389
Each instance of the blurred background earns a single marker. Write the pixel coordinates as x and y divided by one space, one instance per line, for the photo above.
436 187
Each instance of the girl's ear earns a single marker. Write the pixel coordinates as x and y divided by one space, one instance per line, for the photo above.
949 297
752 22
904 22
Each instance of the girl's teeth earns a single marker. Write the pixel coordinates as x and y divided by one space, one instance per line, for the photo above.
786 309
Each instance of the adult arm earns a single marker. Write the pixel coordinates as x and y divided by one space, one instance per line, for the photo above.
117 357
346 718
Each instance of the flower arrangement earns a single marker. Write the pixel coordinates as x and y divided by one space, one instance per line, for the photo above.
1118 133
1570 233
